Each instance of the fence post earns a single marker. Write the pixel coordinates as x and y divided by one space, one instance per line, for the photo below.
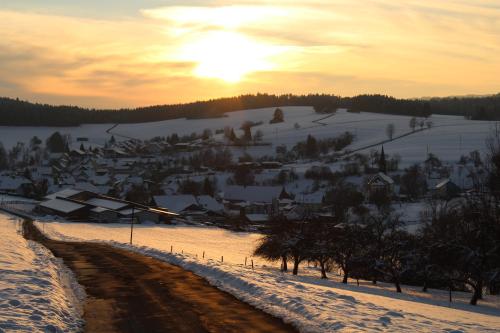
245 261
203 254
252 264
171 248
222 258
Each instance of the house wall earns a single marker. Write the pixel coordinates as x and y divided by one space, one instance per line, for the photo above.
145 216
104 217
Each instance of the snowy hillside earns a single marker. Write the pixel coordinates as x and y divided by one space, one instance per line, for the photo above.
449 137
311 304
36 292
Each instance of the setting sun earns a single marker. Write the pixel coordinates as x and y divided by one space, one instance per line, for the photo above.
227 56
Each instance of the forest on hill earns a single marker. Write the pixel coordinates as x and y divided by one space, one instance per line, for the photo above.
14 112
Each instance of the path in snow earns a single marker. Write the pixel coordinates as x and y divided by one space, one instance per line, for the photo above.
129 292
311 304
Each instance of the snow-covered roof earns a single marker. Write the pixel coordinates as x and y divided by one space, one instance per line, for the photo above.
86 186
175 203
103 189
135 180
312 198
252 193
109 204
12 183
443 183
99 209
100 180
66 193
61 205
209 203
257 217
129 211
382 176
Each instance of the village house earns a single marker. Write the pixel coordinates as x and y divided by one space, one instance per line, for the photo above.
253 199
179 203
15 185
380 183
312 201
446 189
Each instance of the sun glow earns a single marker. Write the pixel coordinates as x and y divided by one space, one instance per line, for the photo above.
228 56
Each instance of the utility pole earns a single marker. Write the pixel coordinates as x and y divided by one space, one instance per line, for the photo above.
132 225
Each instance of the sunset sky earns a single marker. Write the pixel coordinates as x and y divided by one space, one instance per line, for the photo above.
121 53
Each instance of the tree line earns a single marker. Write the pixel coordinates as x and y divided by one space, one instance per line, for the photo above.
14 112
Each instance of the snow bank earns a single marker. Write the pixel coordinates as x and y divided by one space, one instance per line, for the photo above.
37 292
311 304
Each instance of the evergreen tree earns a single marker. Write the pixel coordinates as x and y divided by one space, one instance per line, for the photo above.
35 142
56 143
232 135
4 160
247 129
208 187
311 147
278 116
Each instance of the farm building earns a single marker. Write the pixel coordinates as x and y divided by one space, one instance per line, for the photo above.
64 208
73 204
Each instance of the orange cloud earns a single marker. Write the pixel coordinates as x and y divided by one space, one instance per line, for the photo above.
181 53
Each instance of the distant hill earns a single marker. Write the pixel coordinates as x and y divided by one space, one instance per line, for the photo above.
14 112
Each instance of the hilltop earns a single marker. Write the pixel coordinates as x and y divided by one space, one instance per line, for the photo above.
14 112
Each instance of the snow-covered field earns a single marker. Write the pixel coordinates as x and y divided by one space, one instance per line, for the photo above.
96 133
193 240
311 304
449 137
37 293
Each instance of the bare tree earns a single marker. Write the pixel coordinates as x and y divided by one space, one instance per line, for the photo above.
389 130
413 123
258 136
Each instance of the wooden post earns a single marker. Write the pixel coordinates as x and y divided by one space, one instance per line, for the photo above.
252 264
245 261
171 248
222 258
132 225
203 254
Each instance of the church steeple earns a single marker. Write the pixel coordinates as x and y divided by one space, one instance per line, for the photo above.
382 164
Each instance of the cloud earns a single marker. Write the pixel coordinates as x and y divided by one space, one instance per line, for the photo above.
404 48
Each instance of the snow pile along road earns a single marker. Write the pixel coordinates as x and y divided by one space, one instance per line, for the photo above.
311 304
37 292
